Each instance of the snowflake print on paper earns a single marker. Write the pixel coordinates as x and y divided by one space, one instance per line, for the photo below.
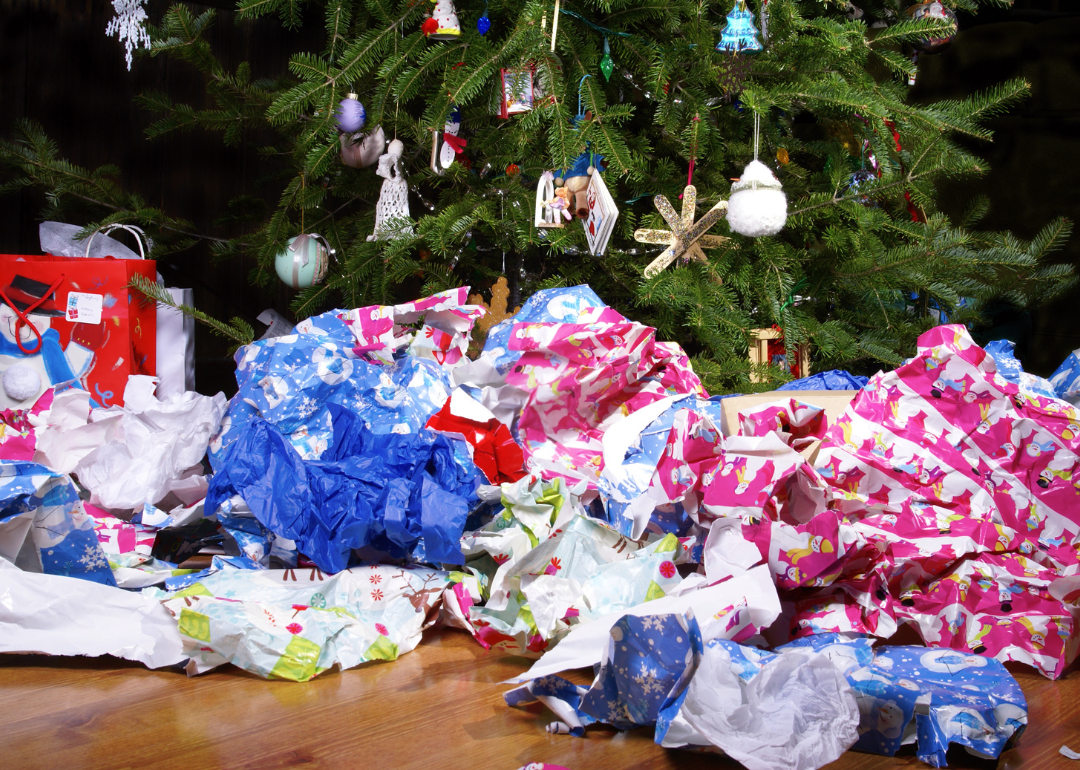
375 578
318 600
667 569
128 25
377 595
93 558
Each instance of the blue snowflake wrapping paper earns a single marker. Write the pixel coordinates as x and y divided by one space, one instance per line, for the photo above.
48 507
562 305
834 379
403 494
970 700
1066 380
559 695
648 662
292 381
1010 368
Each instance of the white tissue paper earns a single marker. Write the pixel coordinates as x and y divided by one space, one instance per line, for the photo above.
134 454
798 712
58 615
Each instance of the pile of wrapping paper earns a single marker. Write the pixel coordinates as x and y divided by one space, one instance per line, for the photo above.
569 495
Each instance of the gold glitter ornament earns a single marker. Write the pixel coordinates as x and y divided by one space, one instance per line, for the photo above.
686 237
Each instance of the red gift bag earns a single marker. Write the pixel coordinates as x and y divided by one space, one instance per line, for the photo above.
72 321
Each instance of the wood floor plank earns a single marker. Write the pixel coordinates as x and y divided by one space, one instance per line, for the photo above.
439 706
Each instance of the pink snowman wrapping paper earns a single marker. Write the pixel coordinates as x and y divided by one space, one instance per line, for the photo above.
952 503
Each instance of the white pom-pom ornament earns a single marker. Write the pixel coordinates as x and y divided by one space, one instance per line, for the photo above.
757 205
21 382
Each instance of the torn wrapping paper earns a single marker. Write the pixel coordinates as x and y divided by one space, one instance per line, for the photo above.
1009 367
491 446
56 615
948 500
737 609
582 374
559 695
1066 379
930 697
297 623
403 494
834 379
647 664
292 381
574 305
18 429
794 710
581 572
43 527
445 323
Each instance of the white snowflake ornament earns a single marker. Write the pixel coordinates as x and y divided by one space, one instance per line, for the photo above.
128 26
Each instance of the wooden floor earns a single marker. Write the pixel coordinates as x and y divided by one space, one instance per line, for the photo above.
438 707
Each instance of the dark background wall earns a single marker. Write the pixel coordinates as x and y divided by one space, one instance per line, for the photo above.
58 68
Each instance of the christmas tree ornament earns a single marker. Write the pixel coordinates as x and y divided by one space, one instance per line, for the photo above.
129 26
446 145
513 169
552 204
483 24
859 178
686 237
393 198
350 115
519 93
601 213
740 35
757 205
446 25
362 150
933 9
576 178
607 65
304 261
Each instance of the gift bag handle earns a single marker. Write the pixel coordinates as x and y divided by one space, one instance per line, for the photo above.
133 229
23 321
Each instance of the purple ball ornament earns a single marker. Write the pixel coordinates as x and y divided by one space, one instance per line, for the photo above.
350 114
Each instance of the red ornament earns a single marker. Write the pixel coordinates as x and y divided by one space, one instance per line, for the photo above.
429 25
513 169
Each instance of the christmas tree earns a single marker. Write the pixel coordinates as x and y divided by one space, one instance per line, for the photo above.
516 95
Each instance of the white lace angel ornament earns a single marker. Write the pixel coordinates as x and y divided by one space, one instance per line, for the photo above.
393 198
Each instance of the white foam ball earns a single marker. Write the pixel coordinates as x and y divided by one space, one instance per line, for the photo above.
757 211
21 382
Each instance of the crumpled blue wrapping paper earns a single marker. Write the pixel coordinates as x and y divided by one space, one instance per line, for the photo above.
561 305
648 663
403 494
1066 380
834 379
61 531
1010 368
292 381
970 700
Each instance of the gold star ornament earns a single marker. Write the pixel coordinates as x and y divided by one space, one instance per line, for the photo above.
686 237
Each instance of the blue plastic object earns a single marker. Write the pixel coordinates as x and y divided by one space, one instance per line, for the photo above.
835 379
403 494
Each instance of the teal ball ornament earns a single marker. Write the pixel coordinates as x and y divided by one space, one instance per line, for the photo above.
304 261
